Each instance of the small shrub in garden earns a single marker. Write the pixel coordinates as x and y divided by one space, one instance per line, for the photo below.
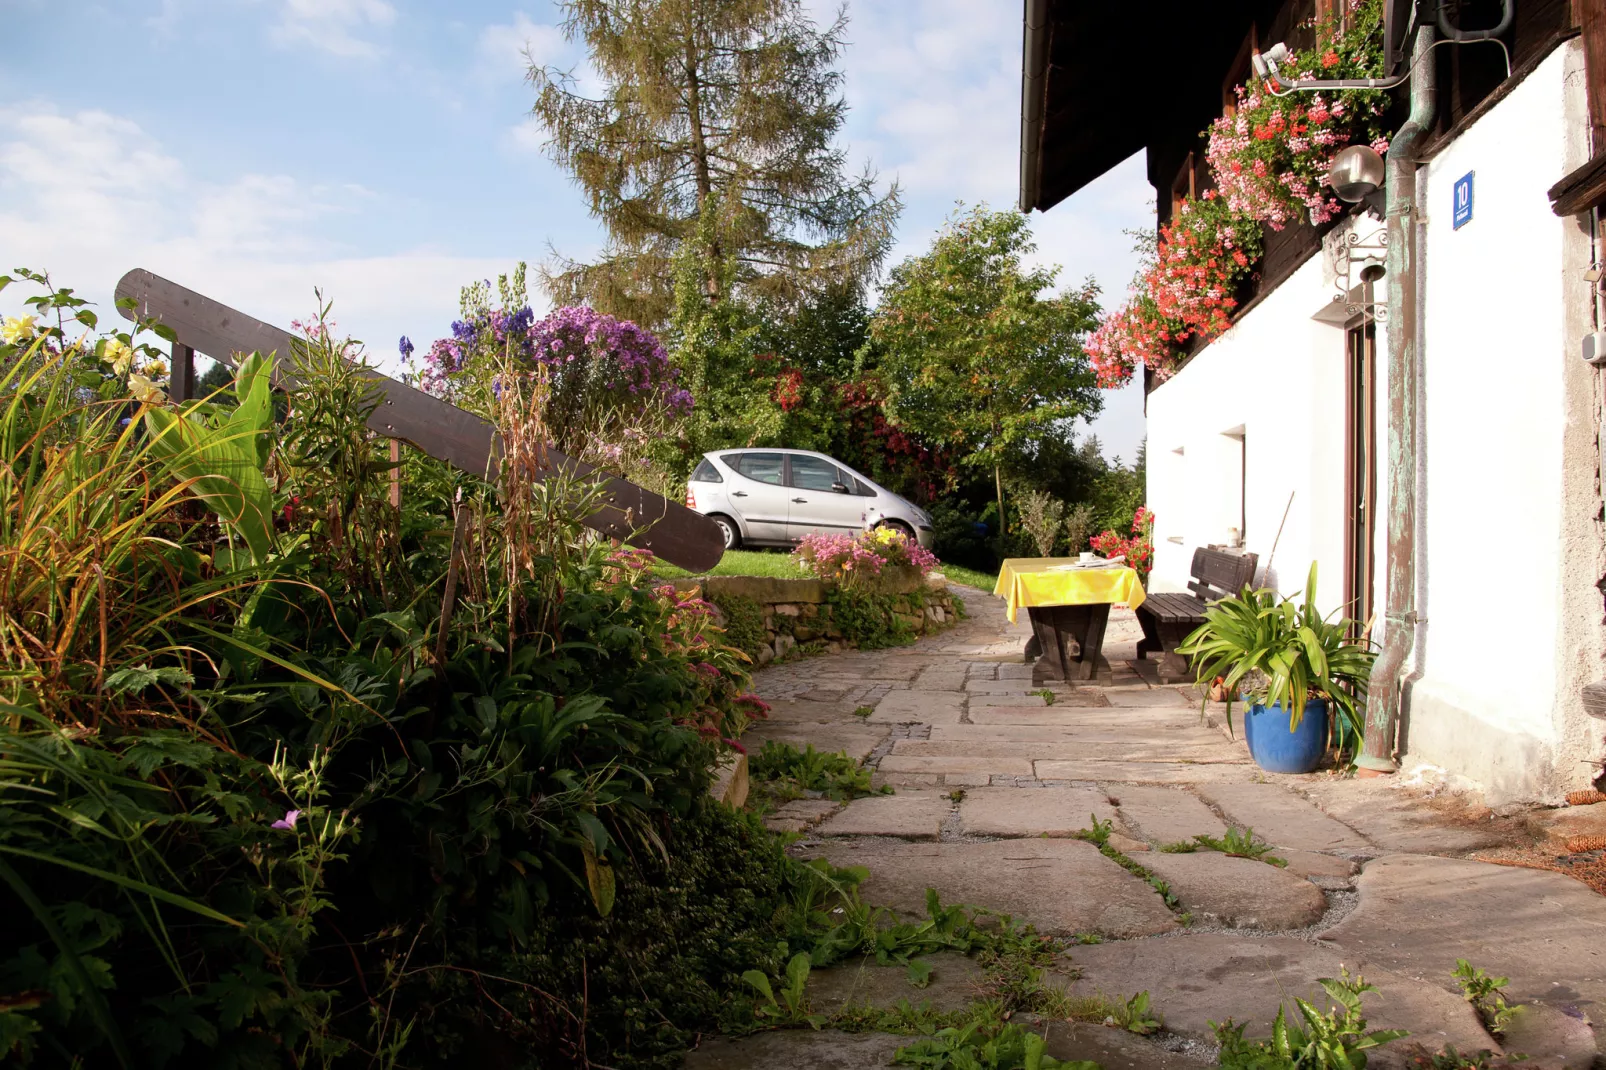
1042 515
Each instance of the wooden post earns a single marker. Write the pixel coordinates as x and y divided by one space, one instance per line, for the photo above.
395 473
1590 17
181 379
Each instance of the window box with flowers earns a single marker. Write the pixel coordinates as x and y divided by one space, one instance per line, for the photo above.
1268 160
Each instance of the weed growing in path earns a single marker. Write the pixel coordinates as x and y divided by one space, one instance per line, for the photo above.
1046 694
985 1046
781 773
1484 993
1335 1040
1241 843
1099 836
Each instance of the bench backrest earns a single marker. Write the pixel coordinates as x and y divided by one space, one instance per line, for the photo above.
1217 574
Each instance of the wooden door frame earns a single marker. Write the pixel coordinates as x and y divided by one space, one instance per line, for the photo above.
1358 594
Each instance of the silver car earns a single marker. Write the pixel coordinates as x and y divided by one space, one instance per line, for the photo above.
772 497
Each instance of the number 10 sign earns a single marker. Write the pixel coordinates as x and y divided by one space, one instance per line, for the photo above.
1463 200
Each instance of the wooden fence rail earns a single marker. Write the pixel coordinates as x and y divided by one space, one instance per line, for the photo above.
444 431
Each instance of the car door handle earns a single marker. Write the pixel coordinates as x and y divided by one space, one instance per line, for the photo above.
738 494
801 501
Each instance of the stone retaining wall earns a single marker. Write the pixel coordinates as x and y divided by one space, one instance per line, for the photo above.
799 611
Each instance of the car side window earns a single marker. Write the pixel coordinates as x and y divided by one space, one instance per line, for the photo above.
813 473
706 473
862 489
760 467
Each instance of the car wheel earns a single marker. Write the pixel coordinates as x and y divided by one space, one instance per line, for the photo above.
728 531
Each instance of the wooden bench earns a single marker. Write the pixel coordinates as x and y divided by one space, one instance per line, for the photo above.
1168 618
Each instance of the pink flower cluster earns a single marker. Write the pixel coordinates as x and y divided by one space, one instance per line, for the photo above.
1270 155
850 559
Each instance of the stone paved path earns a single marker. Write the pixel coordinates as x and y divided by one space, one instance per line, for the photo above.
991 782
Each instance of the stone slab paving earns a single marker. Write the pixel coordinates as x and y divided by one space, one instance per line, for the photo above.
1545 931
853 737
1199 978
797 1048
918 707
1282 818
800 814
915 815
1229 770
1062 886
956 982
1239 892
1167 815
1009 812
1375 879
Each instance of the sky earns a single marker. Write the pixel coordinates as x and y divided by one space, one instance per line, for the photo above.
382 151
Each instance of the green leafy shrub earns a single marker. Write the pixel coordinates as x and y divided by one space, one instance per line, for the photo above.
744 622
288 772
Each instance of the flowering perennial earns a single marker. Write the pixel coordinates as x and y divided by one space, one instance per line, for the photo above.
855 559
1269 158
606 384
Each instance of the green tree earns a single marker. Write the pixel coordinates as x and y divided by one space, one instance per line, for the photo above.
977 352
720 108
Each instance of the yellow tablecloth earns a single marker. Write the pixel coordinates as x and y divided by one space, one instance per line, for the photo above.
1035 581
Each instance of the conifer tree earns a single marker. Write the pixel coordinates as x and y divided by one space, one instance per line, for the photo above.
728 106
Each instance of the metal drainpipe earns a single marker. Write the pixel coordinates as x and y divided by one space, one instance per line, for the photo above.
1383 692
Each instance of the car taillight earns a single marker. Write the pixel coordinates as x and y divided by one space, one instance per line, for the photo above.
691 500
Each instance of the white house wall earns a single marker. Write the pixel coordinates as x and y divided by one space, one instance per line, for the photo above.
1508 495
1278 379
1509 477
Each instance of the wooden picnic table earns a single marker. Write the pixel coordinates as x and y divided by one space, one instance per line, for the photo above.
1067 605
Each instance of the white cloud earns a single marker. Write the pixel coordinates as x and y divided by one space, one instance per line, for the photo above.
333 26
88 196
507 49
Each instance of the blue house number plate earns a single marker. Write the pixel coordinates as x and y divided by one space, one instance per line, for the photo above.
1463 200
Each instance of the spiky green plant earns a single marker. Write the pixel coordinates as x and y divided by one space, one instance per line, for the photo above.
1276 651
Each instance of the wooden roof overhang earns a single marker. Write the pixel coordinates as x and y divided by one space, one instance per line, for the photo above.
1101 81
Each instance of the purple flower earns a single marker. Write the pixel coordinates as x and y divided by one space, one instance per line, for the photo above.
288 821
405 347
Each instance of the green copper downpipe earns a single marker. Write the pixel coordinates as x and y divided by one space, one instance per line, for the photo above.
1399 631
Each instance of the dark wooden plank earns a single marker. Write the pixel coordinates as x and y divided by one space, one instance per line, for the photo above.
1583 189
631 513
181 379
1592 25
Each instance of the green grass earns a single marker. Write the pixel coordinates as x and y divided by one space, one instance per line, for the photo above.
969 577
778 564
781 565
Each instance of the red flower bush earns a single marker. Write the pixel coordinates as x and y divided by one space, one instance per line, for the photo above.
1138 549
1185 292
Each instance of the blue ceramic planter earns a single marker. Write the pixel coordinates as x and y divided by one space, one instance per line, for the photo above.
1276 749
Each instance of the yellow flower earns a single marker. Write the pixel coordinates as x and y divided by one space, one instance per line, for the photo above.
145 391
17 329
118 355
155 369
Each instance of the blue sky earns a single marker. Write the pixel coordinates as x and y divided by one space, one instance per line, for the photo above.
383 150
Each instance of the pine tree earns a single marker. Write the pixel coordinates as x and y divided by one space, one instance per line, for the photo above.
731 106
